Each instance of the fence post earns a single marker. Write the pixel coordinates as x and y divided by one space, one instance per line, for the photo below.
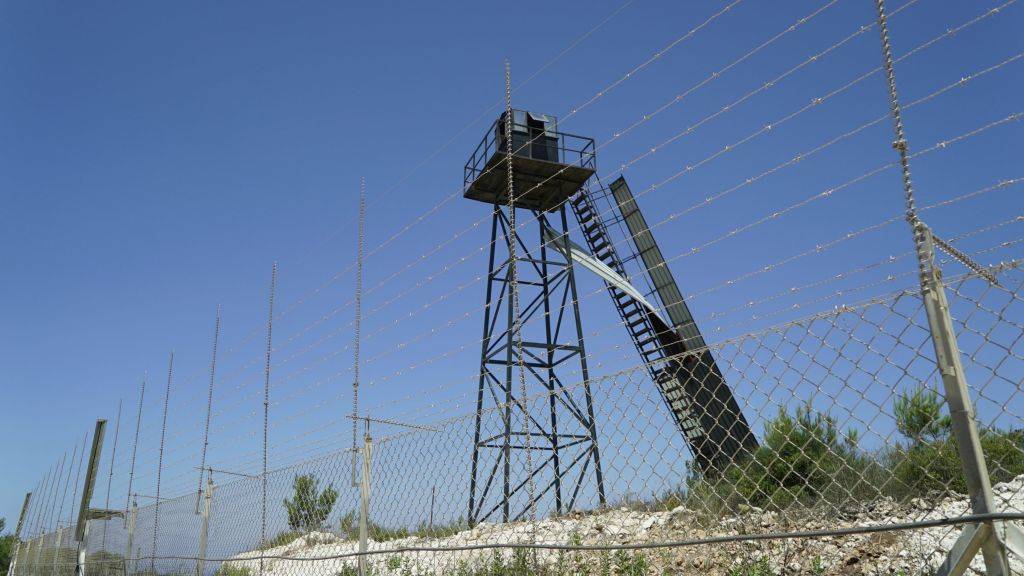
131 534
204 529
28 551
41 542
17 535
83 547
56 551
433 491
364 504
982 535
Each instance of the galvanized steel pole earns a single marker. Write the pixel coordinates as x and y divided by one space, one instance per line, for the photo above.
364 502
205 528
17 534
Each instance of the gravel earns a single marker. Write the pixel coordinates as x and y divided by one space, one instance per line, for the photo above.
906 553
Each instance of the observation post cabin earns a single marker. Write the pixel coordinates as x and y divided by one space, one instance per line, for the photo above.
549 166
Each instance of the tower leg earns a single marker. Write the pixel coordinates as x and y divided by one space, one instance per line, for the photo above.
592 429
485 344
566 460
549 355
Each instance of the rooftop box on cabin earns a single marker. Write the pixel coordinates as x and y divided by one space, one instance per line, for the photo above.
548 166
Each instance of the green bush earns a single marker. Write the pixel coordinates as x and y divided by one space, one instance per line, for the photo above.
933 466
919 415
6 547
309 507
752 568
631 563
231 570
423 530
349 529
100 563
804 457
282 538
929 463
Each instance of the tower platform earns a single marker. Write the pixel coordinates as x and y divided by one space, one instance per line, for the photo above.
549 166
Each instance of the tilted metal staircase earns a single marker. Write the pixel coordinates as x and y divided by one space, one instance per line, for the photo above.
691 385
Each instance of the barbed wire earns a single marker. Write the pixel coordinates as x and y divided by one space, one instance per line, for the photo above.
787 30
885 305
417 410
941 145
447 267
305 441
451 140
766 127
799 306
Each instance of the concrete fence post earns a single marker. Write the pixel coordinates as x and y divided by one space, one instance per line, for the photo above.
17 535
205 527
132 515
982 536
364 505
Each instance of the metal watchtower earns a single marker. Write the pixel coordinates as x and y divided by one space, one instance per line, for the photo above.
551 171
558 427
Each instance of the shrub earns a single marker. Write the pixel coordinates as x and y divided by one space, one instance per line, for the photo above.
423 530
309 508
282 538
7 544
919 415
933 466
631 563
231 570
349 529
755 568
929 463
804 457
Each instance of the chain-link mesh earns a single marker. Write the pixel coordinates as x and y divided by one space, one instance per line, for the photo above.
853 439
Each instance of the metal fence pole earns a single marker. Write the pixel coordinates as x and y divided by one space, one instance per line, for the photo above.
433 490
981 536
56 551
131 535
17 535
83 546
364 504
28 553
204 529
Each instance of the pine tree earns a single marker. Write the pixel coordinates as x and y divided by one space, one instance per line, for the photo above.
309 507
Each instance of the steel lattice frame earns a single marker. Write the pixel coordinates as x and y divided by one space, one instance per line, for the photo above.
567 433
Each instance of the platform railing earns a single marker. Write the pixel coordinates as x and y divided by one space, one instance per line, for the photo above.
568 149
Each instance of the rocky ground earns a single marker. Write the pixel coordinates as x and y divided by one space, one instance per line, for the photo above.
905 552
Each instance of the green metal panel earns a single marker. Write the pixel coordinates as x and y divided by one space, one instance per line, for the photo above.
725 435
90 478
661 277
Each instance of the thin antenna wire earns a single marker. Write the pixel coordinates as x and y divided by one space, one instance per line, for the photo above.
513 291
41 503
110 476
160 463
56 488
27 532
37 518
209 407
580 39
358 324
78 473
266 411
135 444
64 497
41 517
900 144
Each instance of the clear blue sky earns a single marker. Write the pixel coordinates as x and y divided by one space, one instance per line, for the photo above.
156 158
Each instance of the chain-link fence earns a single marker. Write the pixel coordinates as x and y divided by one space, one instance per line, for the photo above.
855 469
